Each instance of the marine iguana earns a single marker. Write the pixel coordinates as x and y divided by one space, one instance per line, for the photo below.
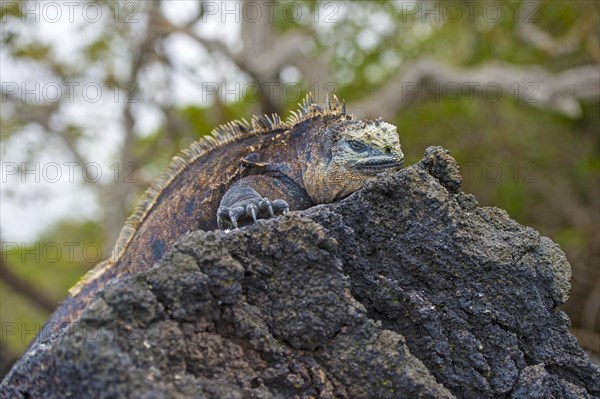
241 172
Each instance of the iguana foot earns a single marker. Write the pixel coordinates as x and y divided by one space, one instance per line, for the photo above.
250 209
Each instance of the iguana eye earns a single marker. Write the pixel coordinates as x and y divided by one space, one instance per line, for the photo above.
357 146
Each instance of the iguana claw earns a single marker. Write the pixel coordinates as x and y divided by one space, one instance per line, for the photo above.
251 211
254 208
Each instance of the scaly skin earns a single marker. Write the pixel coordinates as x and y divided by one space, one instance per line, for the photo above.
325 156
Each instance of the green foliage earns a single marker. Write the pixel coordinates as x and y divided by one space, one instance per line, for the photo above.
33 51
533 163
51 265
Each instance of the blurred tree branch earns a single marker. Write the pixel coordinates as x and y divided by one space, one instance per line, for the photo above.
561 92
23 287
41 115
263 54
582 31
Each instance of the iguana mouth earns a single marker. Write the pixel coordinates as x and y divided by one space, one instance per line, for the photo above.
379 163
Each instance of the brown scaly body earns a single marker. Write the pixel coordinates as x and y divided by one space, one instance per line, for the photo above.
241 172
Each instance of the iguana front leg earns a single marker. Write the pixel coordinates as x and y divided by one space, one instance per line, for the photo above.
260 196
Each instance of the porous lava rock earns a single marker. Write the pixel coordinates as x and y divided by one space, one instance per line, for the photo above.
407 288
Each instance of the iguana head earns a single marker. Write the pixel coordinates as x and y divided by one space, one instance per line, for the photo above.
355 151
366 146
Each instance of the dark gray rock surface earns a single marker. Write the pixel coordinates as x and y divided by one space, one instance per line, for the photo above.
405 289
